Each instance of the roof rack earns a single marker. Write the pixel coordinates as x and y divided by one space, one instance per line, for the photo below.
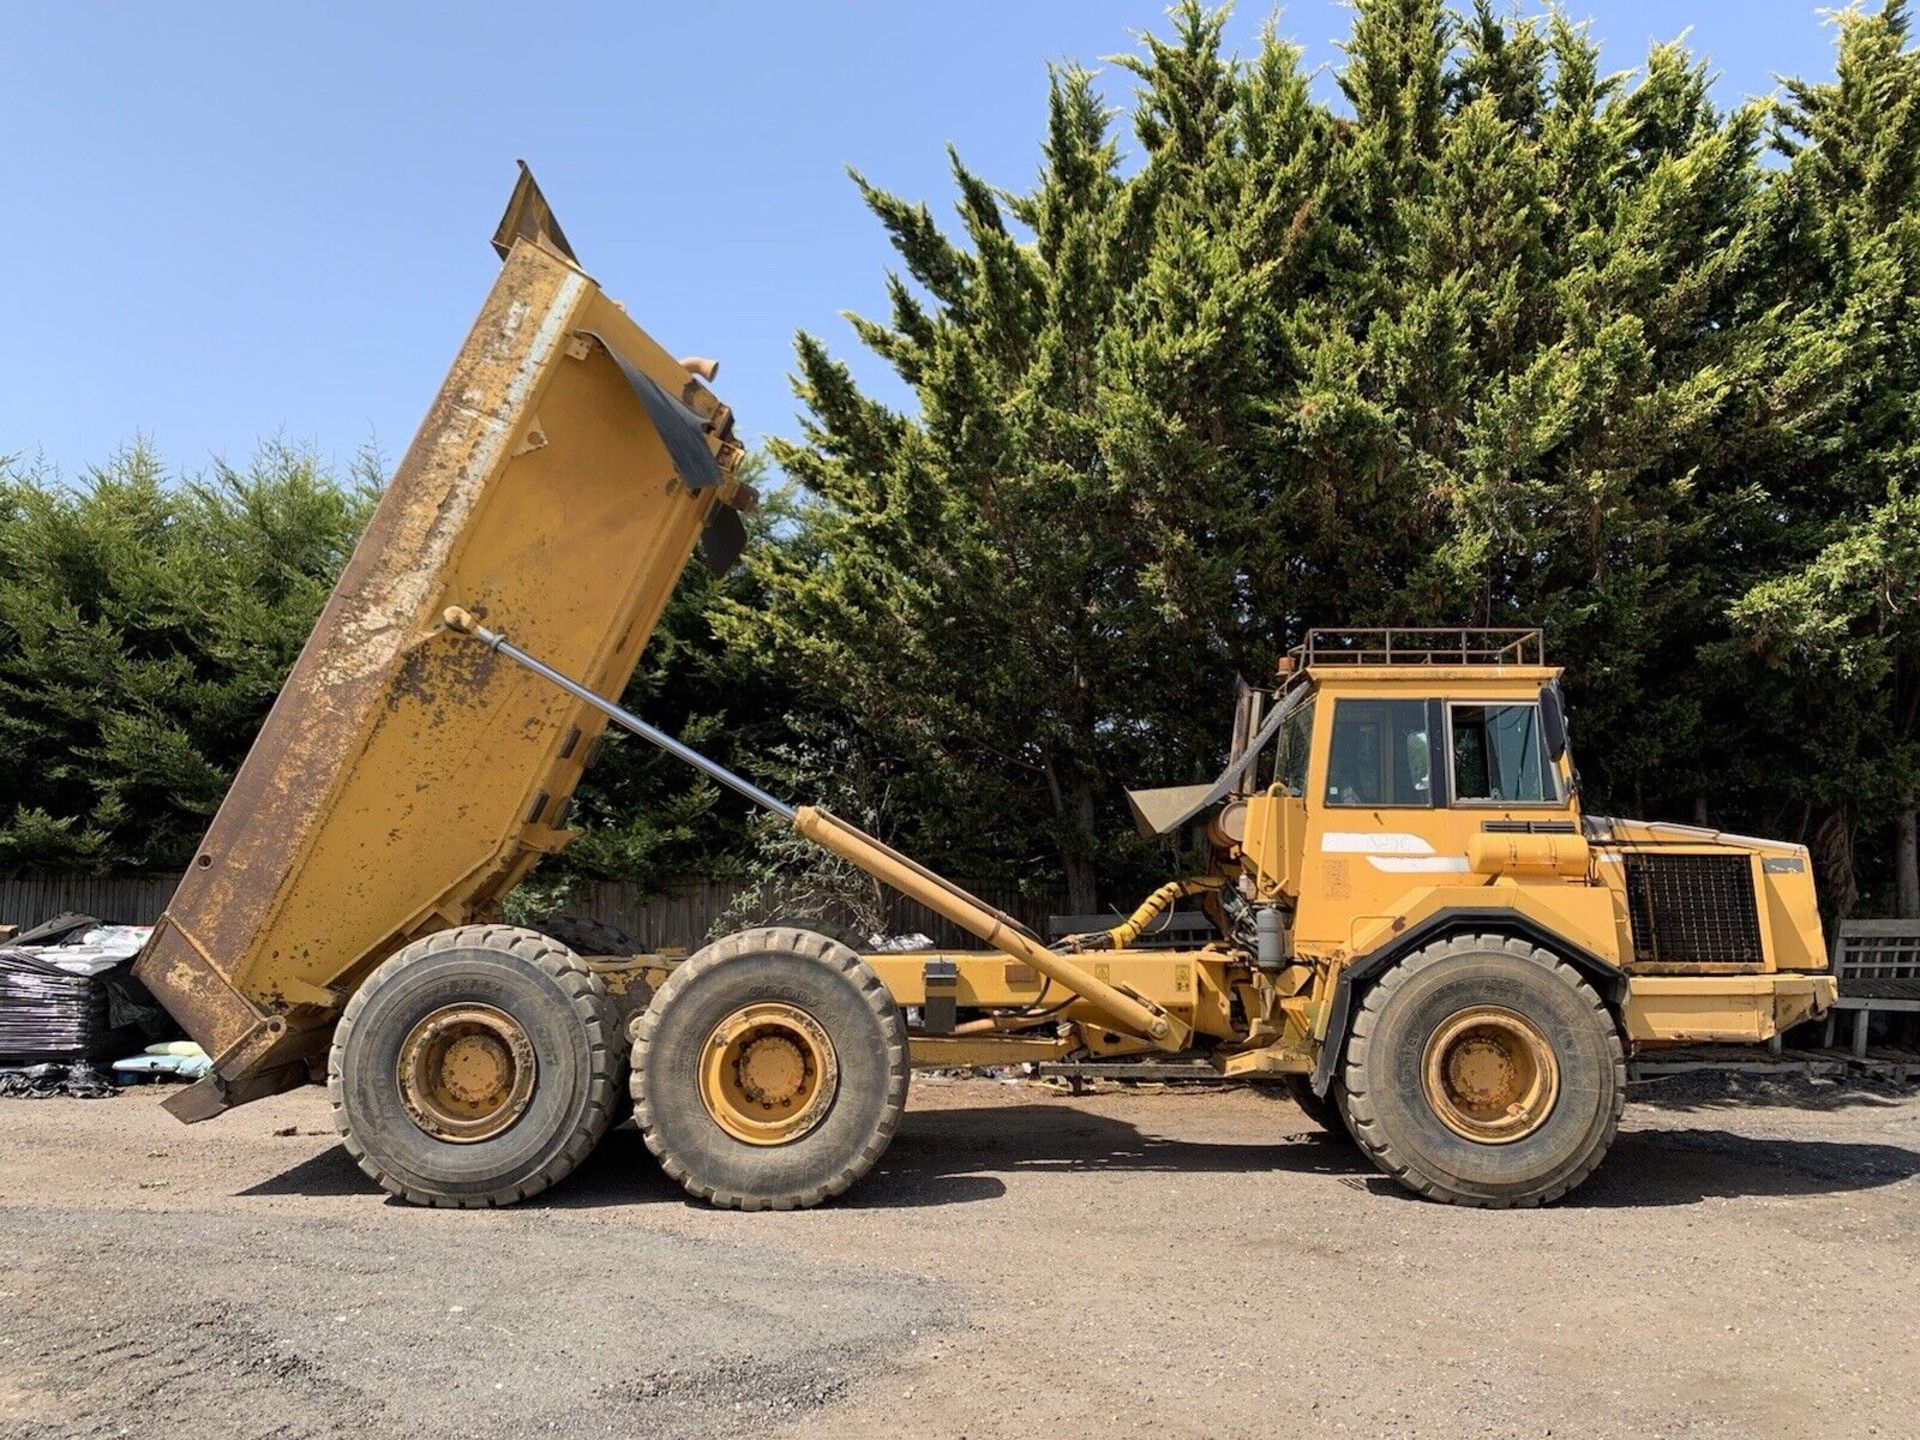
1418 646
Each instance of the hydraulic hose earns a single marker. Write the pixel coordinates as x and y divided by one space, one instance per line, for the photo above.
1150 910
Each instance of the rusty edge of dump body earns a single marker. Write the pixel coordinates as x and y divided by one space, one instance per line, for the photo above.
262 1020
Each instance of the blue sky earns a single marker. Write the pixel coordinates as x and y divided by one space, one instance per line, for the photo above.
230 222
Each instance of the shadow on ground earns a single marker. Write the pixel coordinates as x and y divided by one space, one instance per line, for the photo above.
1724 1090
1684 1167
940 1157
955 1157
944 1157
961 1156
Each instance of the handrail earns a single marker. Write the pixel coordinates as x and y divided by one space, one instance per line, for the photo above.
1422 645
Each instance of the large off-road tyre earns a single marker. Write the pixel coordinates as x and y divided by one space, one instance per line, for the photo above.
475 1067
770 1071
1484 1071
1324 1113
840 934
584 935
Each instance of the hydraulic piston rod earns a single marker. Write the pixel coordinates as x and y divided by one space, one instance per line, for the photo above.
462 623
1122 1010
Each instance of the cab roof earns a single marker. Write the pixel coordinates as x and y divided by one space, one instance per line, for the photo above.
1392 647
1453 676
1423 655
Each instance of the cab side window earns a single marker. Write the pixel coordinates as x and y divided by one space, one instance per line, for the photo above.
1497 756
1379 754
1296 741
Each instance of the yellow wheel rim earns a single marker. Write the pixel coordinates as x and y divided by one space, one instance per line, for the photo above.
1490 1075
768 1074
466 1073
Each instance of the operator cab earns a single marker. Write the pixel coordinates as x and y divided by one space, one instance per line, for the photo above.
1408 720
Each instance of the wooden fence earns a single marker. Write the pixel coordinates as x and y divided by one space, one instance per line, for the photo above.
685 916
118 899
691 913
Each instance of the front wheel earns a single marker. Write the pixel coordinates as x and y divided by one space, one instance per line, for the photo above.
770 1071
1484 1071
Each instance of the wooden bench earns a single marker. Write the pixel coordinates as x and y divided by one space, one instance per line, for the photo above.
1877 966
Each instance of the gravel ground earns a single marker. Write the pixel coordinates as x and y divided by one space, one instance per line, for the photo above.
1128 1263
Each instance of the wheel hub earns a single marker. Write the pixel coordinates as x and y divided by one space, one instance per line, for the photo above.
768 1074
772 1070
466 1073
1490 1075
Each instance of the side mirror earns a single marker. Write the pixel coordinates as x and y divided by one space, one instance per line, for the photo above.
1553 722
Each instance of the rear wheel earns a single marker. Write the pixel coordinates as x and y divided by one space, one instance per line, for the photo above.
770 1071
474 1067
628 992
1484 1071
847 935
1323 1112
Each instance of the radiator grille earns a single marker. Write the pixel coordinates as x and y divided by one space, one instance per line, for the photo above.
1693 909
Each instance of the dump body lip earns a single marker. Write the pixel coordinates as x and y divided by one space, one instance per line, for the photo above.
396 786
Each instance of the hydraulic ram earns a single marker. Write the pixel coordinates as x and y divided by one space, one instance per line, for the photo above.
993 927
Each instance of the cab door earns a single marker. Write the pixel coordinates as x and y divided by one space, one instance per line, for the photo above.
1376 818
1404 782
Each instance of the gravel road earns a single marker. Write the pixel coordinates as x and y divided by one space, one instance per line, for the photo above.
1128 1263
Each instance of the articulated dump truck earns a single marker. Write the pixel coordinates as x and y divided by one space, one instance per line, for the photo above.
1414 926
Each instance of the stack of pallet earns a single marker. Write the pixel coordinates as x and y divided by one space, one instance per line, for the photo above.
67 993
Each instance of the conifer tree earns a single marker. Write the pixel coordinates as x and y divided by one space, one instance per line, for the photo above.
1504 334
1506 337
145 626
1838 618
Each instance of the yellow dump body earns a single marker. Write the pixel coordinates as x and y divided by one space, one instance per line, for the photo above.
402 784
